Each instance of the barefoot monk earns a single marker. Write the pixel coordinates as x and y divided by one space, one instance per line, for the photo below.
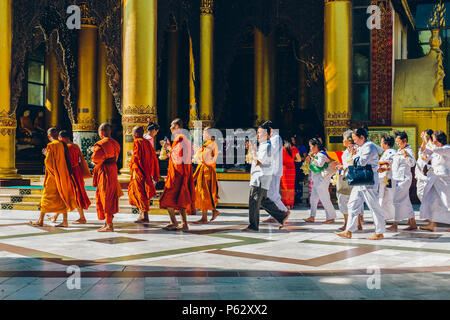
179 190
205 178
80 171
143 170
105 155
59 194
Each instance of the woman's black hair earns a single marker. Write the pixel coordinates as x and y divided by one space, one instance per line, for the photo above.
361 132
288 146
402 135
389 140
316 142
267 126
441 137
152 126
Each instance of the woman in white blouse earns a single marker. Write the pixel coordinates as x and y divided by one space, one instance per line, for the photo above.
367 154
319 158
402 164
423 165
386 189
347 160
436 196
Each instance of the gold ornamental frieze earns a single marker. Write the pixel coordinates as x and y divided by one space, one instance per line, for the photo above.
329 1
139 110
87 18
7 121
207 7
85 125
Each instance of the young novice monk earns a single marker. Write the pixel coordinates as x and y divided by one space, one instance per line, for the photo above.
141 188
80 171
205 178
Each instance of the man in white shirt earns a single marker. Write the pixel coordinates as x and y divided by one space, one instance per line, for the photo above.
260 179
277 169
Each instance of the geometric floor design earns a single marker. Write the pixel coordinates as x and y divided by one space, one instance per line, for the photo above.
218 260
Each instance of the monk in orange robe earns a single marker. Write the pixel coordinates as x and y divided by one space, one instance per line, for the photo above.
179 190
205 178
142 169
105 154
59 192
80 171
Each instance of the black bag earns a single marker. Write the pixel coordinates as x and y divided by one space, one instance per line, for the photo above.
360 175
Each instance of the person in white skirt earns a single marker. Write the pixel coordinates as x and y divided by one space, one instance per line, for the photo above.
423 168
347 160
402 164
319 159
367 154
436 196
386 188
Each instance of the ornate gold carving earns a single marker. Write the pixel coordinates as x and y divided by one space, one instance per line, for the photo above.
85 125
435 44
207 7
328 1
336 123
207 120
132 110
87 18
8 123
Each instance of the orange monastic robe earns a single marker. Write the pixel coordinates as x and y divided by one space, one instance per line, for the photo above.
79 165
205 178
141 188
59 192
179 190
105 155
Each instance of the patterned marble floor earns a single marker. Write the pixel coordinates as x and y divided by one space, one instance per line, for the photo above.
218 260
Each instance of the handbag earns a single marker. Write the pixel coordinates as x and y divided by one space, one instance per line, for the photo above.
360 175
342 186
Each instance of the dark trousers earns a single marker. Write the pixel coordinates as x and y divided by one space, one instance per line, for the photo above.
257 199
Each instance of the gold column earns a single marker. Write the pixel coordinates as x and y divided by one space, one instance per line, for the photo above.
206 113
52 92
105 106
337 70
8 122
139 71
264 102
193 113
85 128
172 87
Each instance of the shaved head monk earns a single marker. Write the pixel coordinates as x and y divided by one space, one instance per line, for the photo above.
105 154
80 171
59 192
143 170
205 178
179 190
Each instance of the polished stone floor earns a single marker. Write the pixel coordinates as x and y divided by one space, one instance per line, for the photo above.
218 260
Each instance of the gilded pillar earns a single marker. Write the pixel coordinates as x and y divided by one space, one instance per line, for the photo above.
8 122
206 113
264 102
139 71
172 87
105 106
337 70
193 112
52 92
85 128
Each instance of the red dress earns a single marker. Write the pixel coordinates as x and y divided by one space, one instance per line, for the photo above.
288 178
